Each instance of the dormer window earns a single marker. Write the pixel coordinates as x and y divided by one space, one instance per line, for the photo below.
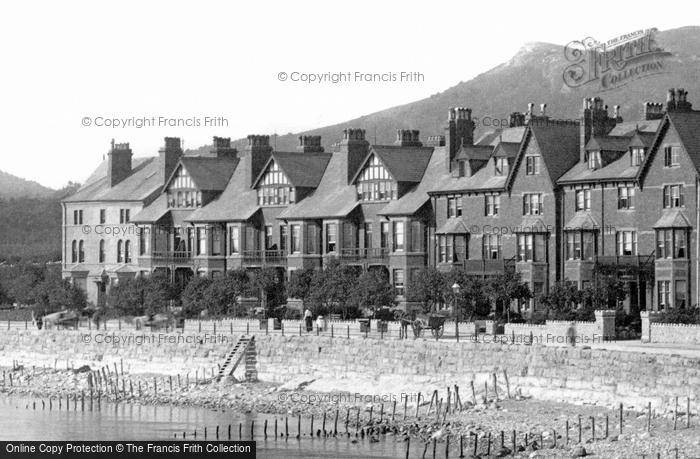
501 166
594 161
182 191
637 156
532 165
375 183
462 168
274 188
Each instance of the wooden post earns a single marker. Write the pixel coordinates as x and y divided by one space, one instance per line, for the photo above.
675 415
405 407
513 440
579 428
275 428
505 376
335 423
347 419
264 427
155 386
393 411
649 417
687 414
381 413
606 426
476 443
252 429
371 408
286 427
593 428
312 425
495 386
418 405
620 418
408 446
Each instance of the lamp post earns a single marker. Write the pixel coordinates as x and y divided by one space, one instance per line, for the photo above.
455 290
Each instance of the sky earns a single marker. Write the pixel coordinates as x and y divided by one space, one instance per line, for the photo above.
67 69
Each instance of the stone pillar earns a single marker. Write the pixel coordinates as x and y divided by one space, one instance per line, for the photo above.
605 322
648 317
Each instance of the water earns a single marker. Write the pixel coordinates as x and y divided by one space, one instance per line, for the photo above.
20 421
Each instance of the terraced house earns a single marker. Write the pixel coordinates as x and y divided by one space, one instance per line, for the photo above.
551 199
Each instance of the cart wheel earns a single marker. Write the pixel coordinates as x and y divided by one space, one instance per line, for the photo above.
438 331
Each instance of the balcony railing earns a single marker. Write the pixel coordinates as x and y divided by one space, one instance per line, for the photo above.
264 257
625 260
484 267
371 254
176 258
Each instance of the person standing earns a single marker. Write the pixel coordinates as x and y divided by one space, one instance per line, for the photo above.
309 320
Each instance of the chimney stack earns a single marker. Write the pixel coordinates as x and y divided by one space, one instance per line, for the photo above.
516 119
118 163
595 121
354 148
460 131
653 111
543 110
222 147
677 100
408 138
310 144
169 156
436 141
259 150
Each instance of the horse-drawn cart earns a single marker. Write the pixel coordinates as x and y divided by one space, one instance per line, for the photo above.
434 321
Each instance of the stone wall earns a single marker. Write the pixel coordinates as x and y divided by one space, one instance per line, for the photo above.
653 332
373 366
555 332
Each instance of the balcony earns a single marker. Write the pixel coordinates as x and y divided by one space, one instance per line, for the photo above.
172 258
372 255
625 260
488 267
264 258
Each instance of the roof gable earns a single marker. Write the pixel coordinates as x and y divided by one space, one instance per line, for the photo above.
301 169
207 173
405 164
687 126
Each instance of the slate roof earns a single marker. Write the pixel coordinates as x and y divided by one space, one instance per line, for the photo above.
478 152
238 201
687 125
508 135
145 180
558 146
152 212
302 169
608 143
582 220
507 149
620 169
405 164
413 200
453 226
208 173
673 219
629 127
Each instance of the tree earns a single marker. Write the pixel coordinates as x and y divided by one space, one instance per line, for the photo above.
562 299
140 295
331 290
269 284
56 294
223 293
470 301
194 300
300 281
158 293
505 288
606 293
428 288
373 290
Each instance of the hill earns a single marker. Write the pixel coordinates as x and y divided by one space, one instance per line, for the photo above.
15 187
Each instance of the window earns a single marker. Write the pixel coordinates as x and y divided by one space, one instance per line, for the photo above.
127 252
384 236
445 248
680 294
182 191
275 188
580 245
143 241
664 291
101 253
375 183
399 282
120 251
294 243
399 242
235 240
74 252
331 237
501 166
532 204
283 238
583 200
216 240
671 243
594 161
625 197
268 238
77 217
672 156
532 165
454 206
462 168
103 216
81 251
492 204
124 216
637 156
532 247
626 243
368 235
201 241
492 247
673 196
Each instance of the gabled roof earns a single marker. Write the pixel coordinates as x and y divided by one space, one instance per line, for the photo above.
630 127
608 143
302 169
413 200
508 135
582 220
642 139
558 145
145 180
673 219
619 170
333 198
687 125
477 152
405 164
507 149
152 212
208 173
238 202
